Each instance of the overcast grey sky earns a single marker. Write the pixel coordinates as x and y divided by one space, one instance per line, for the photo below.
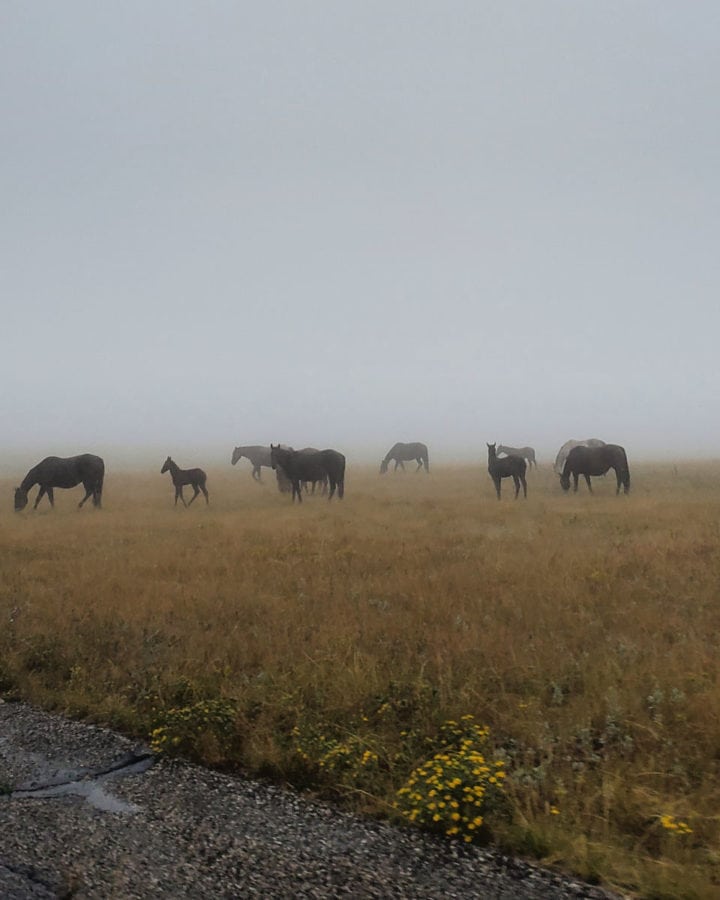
346 224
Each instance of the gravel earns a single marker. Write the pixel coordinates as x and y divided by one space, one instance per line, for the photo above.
184 831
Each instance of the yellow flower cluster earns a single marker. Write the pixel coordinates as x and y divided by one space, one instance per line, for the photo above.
450 791
675 826
350 756
182 728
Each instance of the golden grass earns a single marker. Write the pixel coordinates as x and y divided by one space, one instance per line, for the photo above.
583 631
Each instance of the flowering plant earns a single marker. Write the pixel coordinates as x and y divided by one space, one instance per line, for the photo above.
452 791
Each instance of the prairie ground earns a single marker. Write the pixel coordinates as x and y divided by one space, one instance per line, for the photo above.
583 631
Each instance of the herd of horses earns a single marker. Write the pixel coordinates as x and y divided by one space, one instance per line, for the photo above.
303 470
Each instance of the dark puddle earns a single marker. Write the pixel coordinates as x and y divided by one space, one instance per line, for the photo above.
87 783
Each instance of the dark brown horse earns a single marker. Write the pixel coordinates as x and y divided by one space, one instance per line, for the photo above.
507 467
56 472
180 477
300 466
285 485
589 461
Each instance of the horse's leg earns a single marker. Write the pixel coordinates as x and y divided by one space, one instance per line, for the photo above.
205 492
497 483
516 482
297 490
524 484
88 493
333 484
51 496
179 493
256 473
419 465
196 490
589 483
39 497
575 482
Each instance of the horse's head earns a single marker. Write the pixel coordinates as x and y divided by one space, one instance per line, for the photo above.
237 454
565 481
274 455
166 465
21 499
492 452
384 466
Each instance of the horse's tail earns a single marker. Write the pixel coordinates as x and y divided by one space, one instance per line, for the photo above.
626 471
97 493
341 479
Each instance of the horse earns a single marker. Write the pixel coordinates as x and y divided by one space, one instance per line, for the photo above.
589 461
258 456
526 453
285 485
404 453
568 446
302 466
507 467
54 471
194 477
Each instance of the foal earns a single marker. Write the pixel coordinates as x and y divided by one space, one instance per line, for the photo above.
508 467
194 477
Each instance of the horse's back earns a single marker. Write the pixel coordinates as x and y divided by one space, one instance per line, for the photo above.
595 460
58 471
334 462
413 450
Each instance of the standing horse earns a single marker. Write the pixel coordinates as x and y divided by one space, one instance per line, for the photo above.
285 485
589 461
507 467
568 446
194 477
258 456
54 471
404 453
526 453
302 466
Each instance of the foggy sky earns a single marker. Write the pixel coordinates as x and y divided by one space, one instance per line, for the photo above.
346 224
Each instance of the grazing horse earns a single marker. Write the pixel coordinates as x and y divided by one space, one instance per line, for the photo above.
258 456
507 467
526 453
589 461
194 477
55 471
302 466
568 446
404 453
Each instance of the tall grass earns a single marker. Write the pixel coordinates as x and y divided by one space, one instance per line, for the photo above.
582 630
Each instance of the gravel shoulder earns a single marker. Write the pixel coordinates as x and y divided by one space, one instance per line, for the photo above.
167 829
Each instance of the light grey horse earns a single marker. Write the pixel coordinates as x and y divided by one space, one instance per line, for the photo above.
567 447
258 456
526 453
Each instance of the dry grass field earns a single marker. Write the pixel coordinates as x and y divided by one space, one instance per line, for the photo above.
583 631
